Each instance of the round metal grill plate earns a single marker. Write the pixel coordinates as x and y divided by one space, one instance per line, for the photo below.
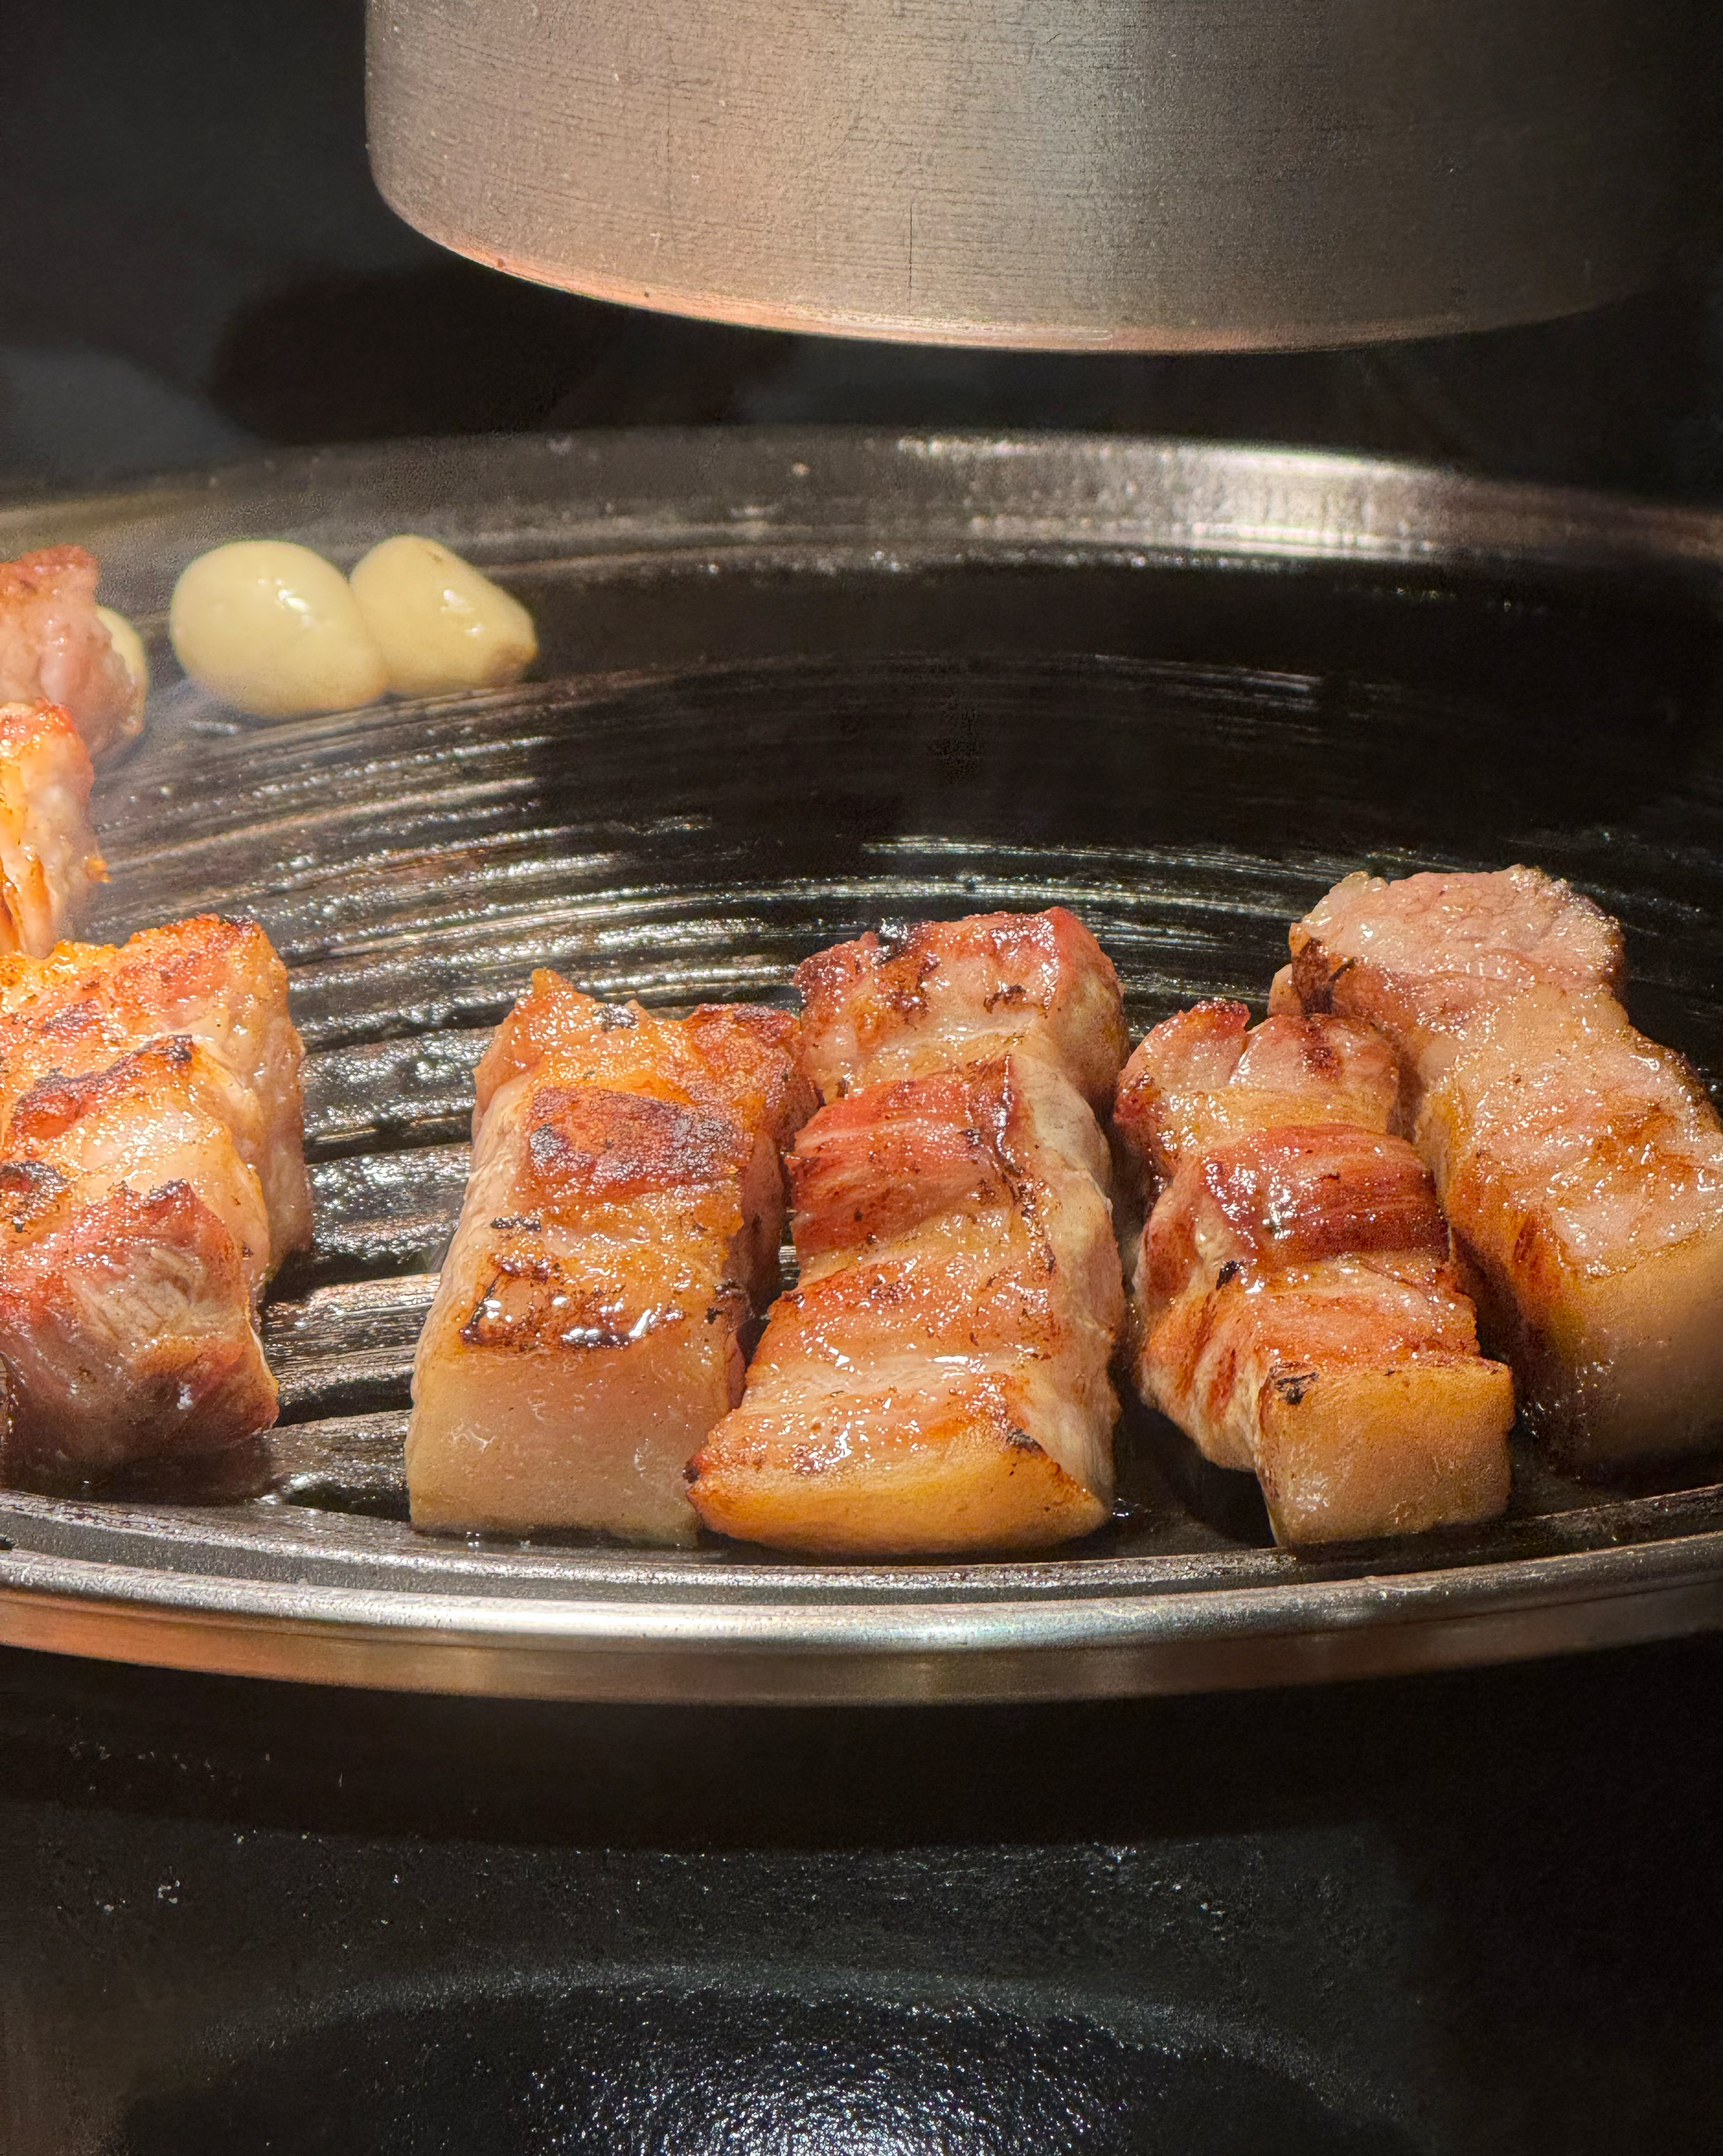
792 683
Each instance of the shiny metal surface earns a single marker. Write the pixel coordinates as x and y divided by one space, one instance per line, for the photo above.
1151 175
793 682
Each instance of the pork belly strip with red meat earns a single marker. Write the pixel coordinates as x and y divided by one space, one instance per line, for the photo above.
1580 1164
48 851
55 646
1297 1310
152 1177
937 1382
621 1226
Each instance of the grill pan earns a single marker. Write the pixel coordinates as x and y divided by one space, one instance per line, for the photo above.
792 683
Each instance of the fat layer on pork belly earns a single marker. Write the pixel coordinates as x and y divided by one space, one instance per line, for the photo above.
621 1224
1296 1305
924 995
1581 1165
48 851
937 1382
152 1177
55 646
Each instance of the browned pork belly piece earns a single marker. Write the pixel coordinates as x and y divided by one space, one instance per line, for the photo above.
622 1225
219 984
125 1328
924 995
48 852
1580 1164
152 1177
1427 957
55 646
1297 1305
937 1382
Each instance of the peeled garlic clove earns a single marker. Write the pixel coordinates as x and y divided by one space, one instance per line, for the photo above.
438 623
275 630
129 649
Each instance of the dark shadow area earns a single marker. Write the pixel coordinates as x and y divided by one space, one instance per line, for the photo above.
450 348
1568 1742
196 261
1493 1897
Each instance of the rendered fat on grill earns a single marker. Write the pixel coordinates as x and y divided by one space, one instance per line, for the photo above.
937 1382
55 646
1297 1308
621 1224
151 1177
1581 1165
48 851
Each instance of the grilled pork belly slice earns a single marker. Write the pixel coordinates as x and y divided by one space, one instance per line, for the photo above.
1580 1164
1426 957
166 1113
55 646
937 1382
127 1330
48 851
218 983
1297 1308
923 996
622 1223
151 1176
1203 1077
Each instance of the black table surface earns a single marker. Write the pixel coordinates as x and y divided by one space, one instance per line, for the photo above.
1478 1910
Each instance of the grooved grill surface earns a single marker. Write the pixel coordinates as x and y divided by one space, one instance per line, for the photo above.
745 750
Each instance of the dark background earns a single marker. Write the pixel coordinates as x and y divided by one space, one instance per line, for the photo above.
194 263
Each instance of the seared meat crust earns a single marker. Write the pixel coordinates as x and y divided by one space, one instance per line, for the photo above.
152 1177
622 1220
1298 1312
937 1382
125 1330
1580 1164
927 995
219 983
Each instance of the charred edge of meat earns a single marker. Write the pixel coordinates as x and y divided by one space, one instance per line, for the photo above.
596 1143
57 1100
28 1188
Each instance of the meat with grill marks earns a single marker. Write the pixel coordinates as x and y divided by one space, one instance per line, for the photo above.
56 647
1580 1164
937 1382
924 995
621 1227
1297 1308
48 852
151 1179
